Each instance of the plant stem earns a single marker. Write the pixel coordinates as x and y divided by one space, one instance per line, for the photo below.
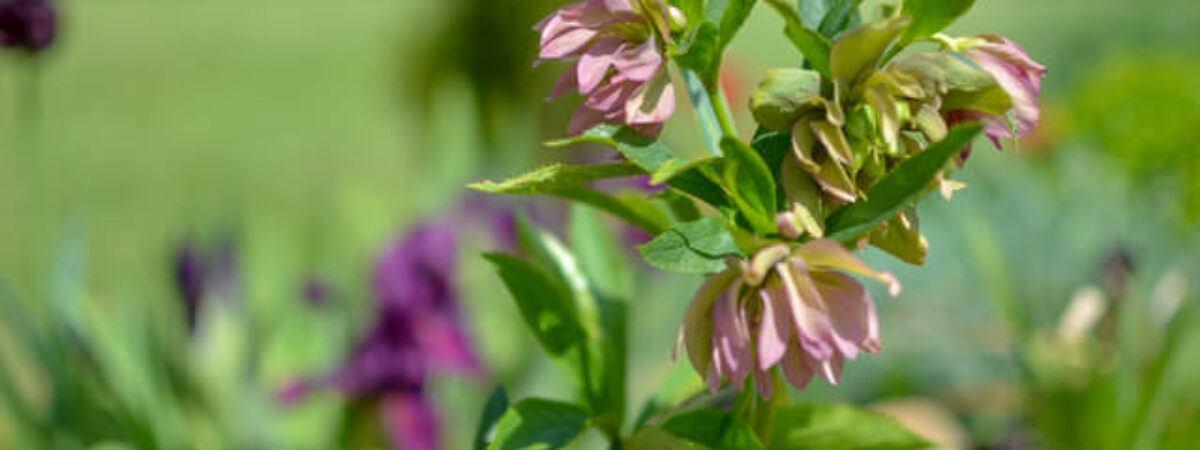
716 96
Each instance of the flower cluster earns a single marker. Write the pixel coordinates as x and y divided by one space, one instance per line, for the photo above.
792 308
617 48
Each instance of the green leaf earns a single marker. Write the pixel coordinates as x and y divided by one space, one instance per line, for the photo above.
815 47
600 319
731 14
862 49
536 423
702 53
754 185
602 260
570 182
839 427
712 428
549 312
549 178
839 15
496 404
651 438
691 247
898 189
651 154
932 16
783 96
706 116
693 10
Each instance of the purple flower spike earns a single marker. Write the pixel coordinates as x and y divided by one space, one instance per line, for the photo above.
618 62
27 24
417 275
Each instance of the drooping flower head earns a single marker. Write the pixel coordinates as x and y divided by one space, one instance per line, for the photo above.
617 49
1020 77
27 24
795 309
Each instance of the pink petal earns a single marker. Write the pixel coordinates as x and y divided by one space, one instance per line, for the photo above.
697 326
640 62
611 97
584 119
813 331
796 369
775 331
1023 90
654 103
570 43
410 422
850 309
826 253
566 83
762 380
731 339
831 368
594 64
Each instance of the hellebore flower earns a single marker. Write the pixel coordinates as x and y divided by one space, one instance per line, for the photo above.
27 24
417 274
619 64
790 308
1020 77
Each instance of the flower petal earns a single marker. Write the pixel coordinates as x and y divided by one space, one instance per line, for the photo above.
826 253
775 330
850 309
697 328
731 338
410 422
795 368
594 64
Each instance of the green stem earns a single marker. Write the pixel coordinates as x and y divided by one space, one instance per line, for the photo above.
716 96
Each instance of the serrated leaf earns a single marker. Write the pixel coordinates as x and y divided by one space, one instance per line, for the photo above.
496 404
570 182
753 184
554 176
650 154
536 423
839 427
932 16
815 47
861 49
712 428
900 188
691 247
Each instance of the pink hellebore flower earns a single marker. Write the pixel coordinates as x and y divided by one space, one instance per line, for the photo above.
785 307
619 64
1019 75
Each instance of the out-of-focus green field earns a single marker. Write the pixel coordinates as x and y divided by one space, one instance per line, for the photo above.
291 123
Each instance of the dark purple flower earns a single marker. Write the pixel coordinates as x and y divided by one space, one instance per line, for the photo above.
417 274
189 281
27 24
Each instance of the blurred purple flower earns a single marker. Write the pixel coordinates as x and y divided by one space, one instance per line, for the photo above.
619 64
200 276
189 281
27 24
417 274
1019 75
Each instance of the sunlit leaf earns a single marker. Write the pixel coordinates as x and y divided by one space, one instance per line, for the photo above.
839 427
815 47
932 16
536 423
691 247
901 188
754 184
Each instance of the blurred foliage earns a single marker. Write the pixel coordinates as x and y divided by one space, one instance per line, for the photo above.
1143 109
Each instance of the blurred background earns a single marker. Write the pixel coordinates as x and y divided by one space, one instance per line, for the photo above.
284 146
